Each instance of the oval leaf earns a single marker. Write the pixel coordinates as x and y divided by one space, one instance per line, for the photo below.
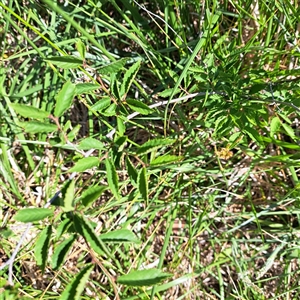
90 143
101 104
114 67
154 144
119 236
92 194
64 98
143 277
112 178
85 164
29 111
65 62
28 215
82 88
165 159
139 106
38 127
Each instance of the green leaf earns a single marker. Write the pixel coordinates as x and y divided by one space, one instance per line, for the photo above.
61 251
90 143
113 67
42 246
64 98
119 236
143 184
29 111
92 194
139 106
62 227
289 130
275 125
110 111
151 145
112 178
143 277
75 288
101 104
85 164
37 127
83 88
133 175
165 159
84 228
68 200
121 126
28 215
129 76
65 62
81 49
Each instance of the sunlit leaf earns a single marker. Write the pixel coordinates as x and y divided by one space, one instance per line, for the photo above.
65 62
27 215
143 277
119 236
29 111
42 246
112 178
75 288
84 164
64 98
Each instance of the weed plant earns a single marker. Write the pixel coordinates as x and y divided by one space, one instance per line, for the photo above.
149 150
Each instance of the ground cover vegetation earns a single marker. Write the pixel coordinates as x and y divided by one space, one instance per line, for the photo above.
149 150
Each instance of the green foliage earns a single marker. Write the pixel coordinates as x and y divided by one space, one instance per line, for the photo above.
143 277
28 215
81 87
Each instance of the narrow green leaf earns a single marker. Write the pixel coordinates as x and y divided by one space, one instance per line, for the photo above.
133 175
92 194
28 91
143 184
75 288
64 98
101 104
28 215
81 49
151 145
289 130
68 200
90 143
139 106
129 76
119 236
62 227
37 127
29 111
113 67
165 159
65 62
73 133
275 125
143 277
83 88
121 126
84 228
42 246
85 164
61 251
110 111
112 178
